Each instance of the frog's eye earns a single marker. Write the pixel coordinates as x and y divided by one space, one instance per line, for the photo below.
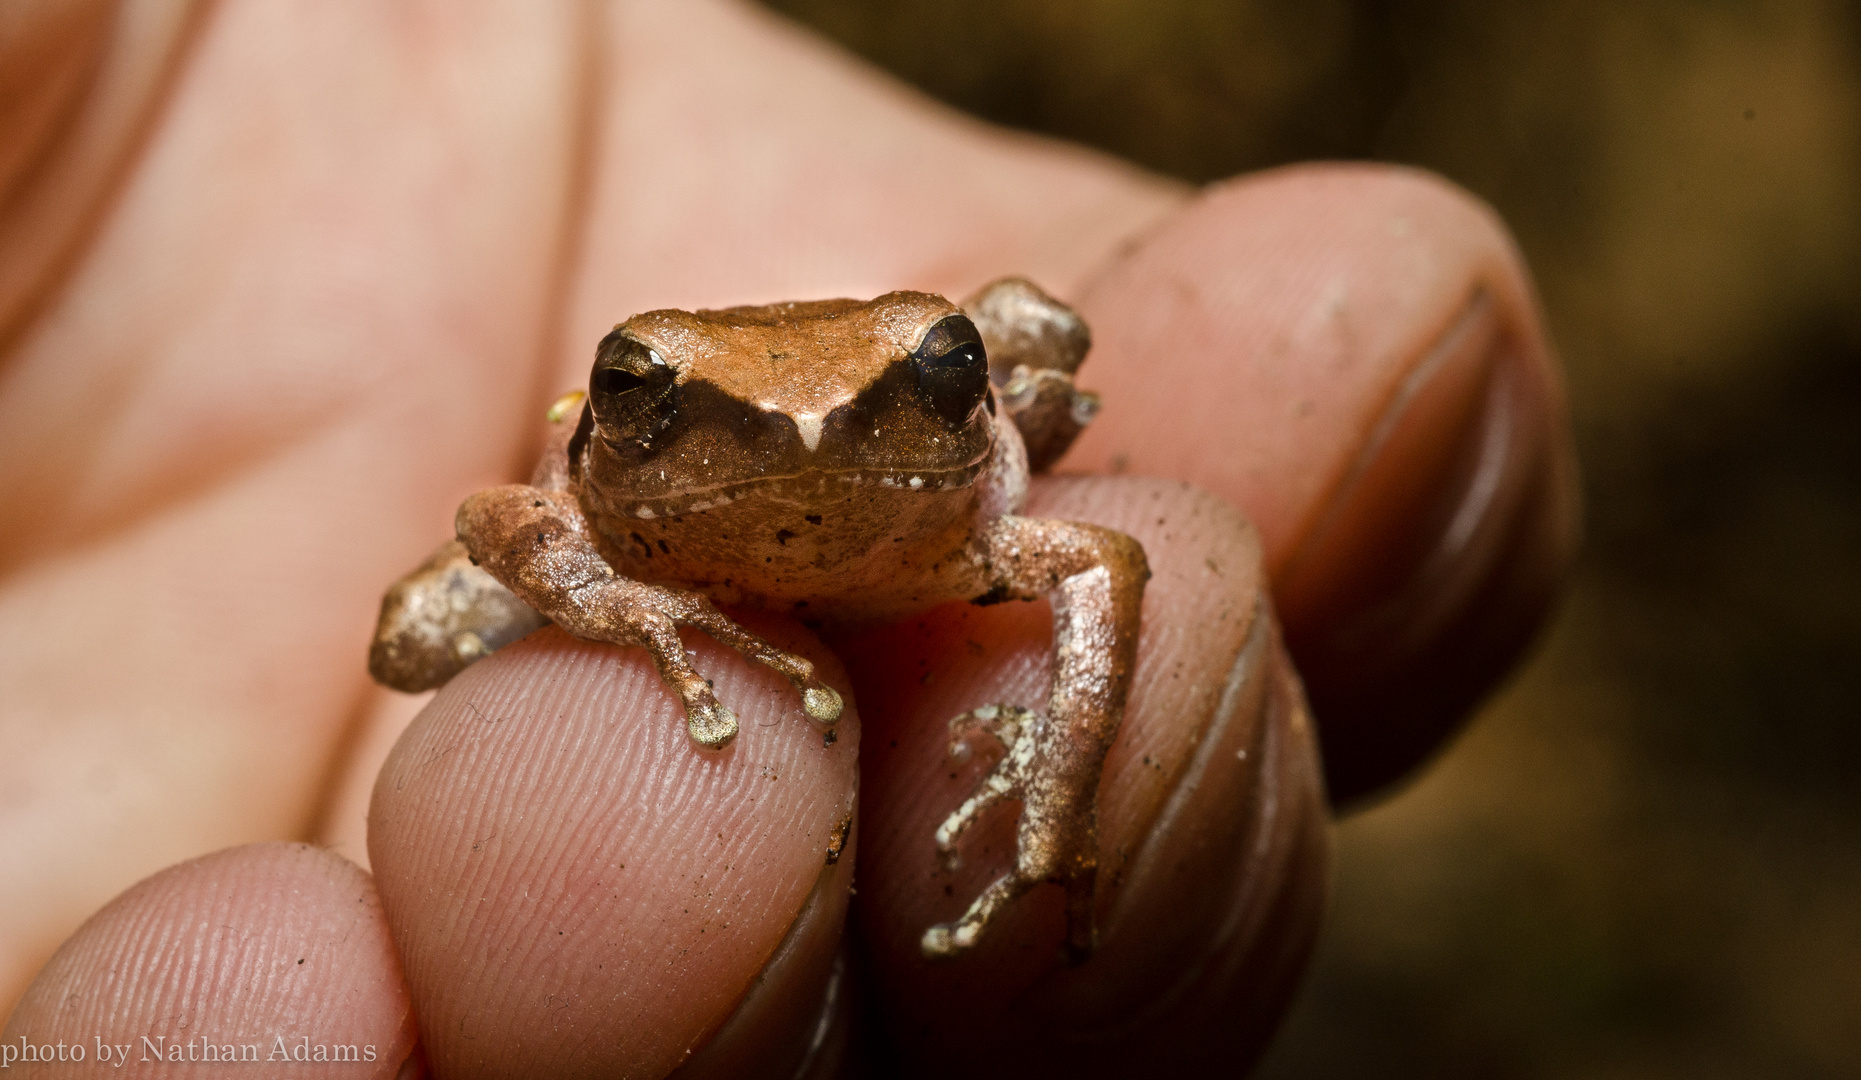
611 381
953 371
630 389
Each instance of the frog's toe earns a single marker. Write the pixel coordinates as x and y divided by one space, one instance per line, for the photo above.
1016 729
822 702
1011 725
947 941
711 724
939 942
1054 842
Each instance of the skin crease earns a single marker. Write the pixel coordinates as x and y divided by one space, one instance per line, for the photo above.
357 252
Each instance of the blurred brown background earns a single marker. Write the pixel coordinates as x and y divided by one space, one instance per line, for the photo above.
1645 858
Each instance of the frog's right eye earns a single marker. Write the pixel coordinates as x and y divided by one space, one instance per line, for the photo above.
631 389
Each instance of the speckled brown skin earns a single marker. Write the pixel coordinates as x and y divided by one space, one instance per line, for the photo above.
443 616
842 461
449 612
538 544
1094 578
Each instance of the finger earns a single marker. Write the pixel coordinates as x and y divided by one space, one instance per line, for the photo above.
1212 837
343 824
82 81
256 961
222 475
816 176
578 891
1353 356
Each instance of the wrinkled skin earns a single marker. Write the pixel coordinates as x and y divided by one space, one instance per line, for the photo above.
279 288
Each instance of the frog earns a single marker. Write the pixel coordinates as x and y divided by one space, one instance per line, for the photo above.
847 462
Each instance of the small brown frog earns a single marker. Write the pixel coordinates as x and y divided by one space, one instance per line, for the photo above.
853 462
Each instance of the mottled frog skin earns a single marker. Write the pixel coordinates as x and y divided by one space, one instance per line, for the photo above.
844 461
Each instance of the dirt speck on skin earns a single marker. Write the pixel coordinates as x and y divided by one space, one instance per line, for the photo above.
837 843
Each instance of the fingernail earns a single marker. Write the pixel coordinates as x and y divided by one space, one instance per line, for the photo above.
783 1025
1437 555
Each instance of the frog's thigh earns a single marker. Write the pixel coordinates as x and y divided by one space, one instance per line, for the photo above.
442 617
450 611
1095 578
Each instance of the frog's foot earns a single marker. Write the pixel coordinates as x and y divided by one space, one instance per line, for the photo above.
821 702
1057 840
653 615
1035 345
1010 725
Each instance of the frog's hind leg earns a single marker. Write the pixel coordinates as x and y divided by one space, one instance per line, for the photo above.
1020 732
536 542
449 612
1035 345
444 615
1010 725
1095 579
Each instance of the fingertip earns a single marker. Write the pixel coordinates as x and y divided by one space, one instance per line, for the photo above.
576 889
1353 354
1212 841
342 823
1278 313
273 956
784 1025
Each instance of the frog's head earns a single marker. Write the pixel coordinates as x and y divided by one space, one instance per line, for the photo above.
690 409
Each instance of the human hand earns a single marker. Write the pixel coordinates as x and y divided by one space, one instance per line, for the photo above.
356 255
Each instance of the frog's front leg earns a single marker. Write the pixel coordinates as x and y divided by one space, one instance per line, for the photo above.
537 543
1095 579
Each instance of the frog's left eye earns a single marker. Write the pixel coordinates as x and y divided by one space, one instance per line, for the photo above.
953 371
630 389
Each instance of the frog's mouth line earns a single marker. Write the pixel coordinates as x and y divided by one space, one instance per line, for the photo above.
801 488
